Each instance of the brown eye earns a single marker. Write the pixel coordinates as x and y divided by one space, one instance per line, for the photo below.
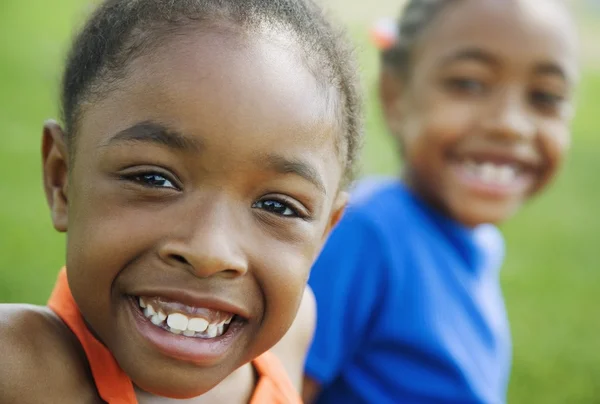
276 207
151 180
546 100
467 86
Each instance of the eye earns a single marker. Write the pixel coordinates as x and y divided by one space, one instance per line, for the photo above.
277 207
463 85
546 100
151 180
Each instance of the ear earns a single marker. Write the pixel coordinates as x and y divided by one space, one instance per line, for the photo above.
339 205
55 160
391 89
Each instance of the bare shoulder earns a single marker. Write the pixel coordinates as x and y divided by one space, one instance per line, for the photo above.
293 347
41 359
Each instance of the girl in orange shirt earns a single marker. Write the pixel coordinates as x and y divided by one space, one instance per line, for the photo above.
200 166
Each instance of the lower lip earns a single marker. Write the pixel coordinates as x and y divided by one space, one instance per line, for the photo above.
520 184
200 351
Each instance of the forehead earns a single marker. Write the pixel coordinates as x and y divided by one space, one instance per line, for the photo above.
517 31
220 85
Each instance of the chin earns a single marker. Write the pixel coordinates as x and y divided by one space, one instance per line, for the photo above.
176 392
474 213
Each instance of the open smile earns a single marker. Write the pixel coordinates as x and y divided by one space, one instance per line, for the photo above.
200 335
495 178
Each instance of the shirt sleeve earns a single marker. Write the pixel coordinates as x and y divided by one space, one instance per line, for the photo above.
347 282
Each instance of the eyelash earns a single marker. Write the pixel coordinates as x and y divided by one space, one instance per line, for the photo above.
541 99
546 100
280 203
143 179
464 85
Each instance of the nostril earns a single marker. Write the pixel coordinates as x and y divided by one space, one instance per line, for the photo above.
179 258
232 273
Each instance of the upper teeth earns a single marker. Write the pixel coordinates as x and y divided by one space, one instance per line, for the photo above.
179 323
490 173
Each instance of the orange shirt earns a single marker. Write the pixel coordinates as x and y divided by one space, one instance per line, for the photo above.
115 387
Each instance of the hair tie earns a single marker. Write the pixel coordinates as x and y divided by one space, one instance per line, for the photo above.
384 33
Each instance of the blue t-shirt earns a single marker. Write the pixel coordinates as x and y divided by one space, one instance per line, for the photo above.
409 306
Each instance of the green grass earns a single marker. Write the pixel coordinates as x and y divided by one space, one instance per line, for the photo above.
551 277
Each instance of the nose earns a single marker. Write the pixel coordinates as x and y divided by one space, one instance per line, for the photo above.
207 244
509 118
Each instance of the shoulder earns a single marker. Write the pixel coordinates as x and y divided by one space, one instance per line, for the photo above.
370 186
373 193
364 249
26 332
367 233
378 205
40 357
293 347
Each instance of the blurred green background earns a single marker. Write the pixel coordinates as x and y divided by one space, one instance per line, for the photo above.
551 278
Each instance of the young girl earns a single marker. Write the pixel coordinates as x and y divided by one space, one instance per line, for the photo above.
200 168
478 94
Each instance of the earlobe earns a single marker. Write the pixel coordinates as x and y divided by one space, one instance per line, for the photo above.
55 162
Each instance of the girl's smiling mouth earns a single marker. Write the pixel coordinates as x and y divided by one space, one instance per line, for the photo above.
493 178
178 318
195 334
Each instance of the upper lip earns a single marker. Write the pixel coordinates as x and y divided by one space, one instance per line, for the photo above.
195 299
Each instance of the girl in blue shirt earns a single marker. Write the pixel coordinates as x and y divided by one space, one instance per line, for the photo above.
478 95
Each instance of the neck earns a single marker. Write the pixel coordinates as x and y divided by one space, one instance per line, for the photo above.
413 184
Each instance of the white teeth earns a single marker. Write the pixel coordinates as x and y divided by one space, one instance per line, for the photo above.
487 172
197 324
175 331
156 320
506 174
491 173
149 311
177 321
211 331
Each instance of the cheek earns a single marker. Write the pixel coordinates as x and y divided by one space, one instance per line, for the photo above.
434 122
105 234
282 271
285 269
554 140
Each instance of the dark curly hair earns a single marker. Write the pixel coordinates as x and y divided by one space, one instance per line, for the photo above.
121 30
415 18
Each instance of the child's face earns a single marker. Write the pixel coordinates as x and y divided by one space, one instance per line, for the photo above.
206 183
484 115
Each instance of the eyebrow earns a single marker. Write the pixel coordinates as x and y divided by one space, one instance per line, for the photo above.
480 55
475 54
152 132
552 69
301 168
